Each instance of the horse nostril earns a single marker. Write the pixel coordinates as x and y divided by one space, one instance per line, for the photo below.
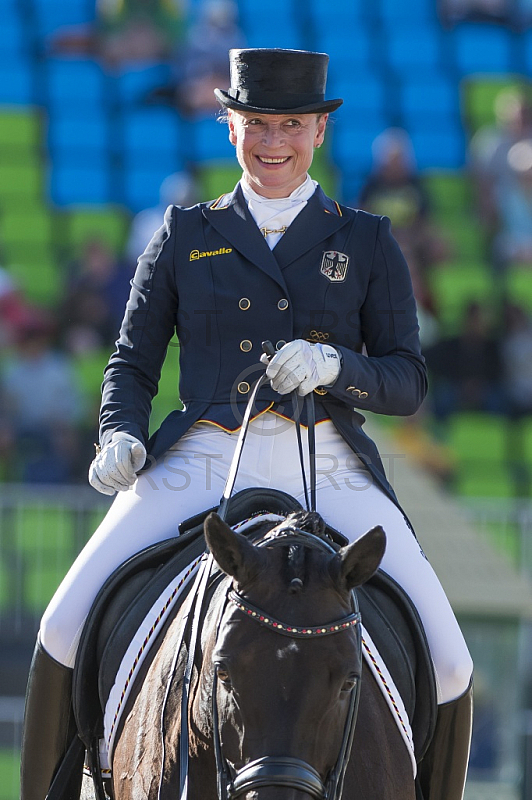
296 584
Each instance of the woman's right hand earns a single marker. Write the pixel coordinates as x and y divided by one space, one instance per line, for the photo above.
114 468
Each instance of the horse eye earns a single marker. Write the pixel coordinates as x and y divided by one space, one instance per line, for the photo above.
223 675
350 683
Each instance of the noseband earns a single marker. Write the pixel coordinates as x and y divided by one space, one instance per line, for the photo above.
287 772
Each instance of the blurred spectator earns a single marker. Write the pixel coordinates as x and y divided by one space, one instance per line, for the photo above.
516 350
395 189
466 369
177 189
513 198
454 11
517 372
138 30
125 30
489 149
94 301
14 310
41 406
204 64
200 64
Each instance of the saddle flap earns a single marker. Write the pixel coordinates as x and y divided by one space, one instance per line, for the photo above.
397 631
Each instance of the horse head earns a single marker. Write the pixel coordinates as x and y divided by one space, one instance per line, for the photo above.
285 659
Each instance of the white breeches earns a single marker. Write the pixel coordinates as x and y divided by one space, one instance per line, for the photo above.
192 477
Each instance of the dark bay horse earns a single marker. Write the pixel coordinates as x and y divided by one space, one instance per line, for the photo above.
282 698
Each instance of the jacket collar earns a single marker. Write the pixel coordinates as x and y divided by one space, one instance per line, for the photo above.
230 216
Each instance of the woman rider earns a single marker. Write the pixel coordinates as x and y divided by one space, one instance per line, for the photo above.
274 259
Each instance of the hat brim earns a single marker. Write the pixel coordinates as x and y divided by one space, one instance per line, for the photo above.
324 107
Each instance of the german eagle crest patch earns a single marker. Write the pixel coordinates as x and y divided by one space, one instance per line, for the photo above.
334 266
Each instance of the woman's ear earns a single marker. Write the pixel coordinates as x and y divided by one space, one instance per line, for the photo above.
320 131
231 124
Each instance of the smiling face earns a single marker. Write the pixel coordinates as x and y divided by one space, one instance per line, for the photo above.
275 151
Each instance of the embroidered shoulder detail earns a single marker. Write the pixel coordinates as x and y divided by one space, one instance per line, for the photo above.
216 207
338 209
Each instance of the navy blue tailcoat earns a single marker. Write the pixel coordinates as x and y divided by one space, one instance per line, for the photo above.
336 276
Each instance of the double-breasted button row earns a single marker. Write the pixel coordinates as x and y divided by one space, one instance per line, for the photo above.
244 304
357 392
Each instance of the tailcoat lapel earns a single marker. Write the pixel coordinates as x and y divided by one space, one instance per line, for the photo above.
320 219
231 218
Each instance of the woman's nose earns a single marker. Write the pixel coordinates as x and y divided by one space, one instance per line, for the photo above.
272 136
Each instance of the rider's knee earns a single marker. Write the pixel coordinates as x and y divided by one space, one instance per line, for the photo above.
54 639
454 677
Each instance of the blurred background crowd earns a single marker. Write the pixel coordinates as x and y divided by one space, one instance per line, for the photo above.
107 114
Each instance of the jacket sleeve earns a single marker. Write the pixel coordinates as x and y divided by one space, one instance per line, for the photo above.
132 374
392 377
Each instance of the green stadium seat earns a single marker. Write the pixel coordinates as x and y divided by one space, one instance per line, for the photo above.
518 285
36 272
477 437
21 183
479 95
40 583
44 532
450 192
483 480
215 179
108 223
33 224
5 597
89 368
466 236
168 393
479 443
324 171
19 130
454 285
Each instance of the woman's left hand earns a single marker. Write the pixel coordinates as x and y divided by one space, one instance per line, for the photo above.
303 366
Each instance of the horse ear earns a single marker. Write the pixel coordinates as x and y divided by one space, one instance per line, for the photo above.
354 564
233 553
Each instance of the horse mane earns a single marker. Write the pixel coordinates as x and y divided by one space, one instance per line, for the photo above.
309 521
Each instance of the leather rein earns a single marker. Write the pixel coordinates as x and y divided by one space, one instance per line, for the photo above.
267 771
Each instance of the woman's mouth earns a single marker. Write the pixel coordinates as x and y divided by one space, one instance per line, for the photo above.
278 160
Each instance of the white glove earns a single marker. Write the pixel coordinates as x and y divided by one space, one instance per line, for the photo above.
115 466
303 366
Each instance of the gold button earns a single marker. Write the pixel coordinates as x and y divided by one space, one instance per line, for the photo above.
245 345
244 303
363 395
282 305
320 390
280 343
243 387
353 390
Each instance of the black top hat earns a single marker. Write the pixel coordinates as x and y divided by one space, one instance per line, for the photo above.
274 81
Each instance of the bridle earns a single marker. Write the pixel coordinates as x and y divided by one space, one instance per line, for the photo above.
288 772
284 772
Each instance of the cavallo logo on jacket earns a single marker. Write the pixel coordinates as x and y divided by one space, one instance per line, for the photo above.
222 251
334 265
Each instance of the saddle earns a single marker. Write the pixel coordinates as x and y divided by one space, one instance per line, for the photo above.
130 592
